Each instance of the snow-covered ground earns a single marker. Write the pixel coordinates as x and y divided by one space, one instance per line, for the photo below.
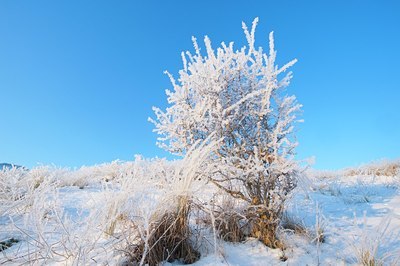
356 214
89 217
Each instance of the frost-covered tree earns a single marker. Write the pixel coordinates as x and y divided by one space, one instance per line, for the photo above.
237 95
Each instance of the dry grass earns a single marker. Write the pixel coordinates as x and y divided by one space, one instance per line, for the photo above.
368 259
168 240
167 236
383 168
317 234
229 226
290 223
377 246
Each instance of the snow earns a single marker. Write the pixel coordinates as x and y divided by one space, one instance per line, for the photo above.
60 223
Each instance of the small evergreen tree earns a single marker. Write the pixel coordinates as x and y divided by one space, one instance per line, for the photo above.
237 96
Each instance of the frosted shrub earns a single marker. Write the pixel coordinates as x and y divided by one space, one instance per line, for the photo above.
237 96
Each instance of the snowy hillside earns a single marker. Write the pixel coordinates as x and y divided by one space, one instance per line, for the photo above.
96 216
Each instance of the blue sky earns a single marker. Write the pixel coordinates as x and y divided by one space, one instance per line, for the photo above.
78 78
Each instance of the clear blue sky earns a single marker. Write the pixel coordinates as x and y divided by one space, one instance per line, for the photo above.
78 78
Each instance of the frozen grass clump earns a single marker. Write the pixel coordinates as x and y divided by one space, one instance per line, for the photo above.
378 245
167 234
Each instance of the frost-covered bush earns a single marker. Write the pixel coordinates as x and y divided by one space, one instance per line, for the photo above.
237 96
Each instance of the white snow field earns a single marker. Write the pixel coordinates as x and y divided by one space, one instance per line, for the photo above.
95 215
